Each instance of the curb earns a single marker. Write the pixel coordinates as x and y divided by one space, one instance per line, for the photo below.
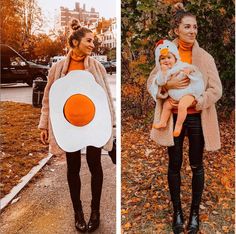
24 180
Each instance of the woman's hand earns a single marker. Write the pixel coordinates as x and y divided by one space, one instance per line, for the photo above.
44 136
175 83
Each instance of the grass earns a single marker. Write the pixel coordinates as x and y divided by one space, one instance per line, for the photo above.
21 148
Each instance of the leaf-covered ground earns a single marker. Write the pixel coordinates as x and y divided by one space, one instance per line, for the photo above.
146 206
21 148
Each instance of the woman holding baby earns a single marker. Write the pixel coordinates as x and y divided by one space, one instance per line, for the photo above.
200 124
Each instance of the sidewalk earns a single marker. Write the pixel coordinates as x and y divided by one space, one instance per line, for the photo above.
45 207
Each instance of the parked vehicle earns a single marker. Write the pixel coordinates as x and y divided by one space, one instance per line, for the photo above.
55 59
16 69
110 67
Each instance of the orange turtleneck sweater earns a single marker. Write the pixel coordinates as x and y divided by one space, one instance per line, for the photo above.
76 62
185 51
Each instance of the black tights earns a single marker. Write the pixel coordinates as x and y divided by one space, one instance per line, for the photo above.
93 156
192 126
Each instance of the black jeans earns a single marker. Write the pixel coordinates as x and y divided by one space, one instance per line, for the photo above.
93 156
193 129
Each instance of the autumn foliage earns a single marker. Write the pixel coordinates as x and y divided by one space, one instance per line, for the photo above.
21 23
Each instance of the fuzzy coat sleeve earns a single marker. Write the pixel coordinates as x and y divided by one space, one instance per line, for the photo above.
43 122
104 73
213 91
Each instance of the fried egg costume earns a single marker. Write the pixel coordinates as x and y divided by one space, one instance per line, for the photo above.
79 112
196 85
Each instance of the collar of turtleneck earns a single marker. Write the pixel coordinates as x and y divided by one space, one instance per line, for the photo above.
76 57
184 45
185 51
76 62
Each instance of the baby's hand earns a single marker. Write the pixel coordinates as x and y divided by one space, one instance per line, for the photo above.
187 70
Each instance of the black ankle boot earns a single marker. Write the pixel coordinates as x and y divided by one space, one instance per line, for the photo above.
94 221
193 225
178 221
80 223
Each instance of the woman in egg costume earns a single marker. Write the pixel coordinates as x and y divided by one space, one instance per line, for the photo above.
78 65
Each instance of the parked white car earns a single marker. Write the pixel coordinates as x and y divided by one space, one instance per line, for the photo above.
55 59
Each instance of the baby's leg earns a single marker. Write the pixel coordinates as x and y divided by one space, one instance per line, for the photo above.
165 115
185 102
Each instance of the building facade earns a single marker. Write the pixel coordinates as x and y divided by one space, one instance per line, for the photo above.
85 17
104 29
107 35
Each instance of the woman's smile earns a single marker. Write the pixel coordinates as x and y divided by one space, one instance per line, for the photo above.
86 45
187 30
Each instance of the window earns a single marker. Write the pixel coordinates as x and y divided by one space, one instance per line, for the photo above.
17 61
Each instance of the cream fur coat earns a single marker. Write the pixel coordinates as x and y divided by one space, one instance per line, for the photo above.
205 103
59 70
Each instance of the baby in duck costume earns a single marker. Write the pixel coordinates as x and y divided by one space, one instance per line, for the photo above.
168 62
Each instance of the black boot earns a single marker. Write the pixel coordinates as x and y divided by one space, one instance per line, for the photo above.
94 221
174 182
178 220
193 225
80 223
197 190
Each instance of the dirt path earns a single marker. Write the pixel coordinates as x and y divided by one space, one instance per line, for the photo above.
44 206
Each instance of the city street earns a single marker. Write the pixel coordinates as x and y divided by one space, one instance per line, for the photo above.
23 93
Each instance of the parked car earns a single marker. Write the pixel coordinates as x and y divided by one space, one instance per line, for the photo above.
109 66
16 69
55 59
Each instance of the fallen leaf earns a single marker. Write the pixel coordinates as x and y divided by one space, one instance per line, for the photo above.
124 211
225 228
204 217
215 212
147 205
202 207
127 225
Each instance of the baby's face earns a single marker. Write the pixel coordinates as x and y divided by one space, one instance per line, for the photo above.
168 60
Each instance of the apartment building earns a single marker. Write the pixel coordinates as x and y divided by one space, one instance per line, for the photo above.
107 33
85 17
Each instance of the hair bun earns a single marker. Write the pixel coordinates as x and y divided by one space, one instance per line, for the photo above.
75 24
178 7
